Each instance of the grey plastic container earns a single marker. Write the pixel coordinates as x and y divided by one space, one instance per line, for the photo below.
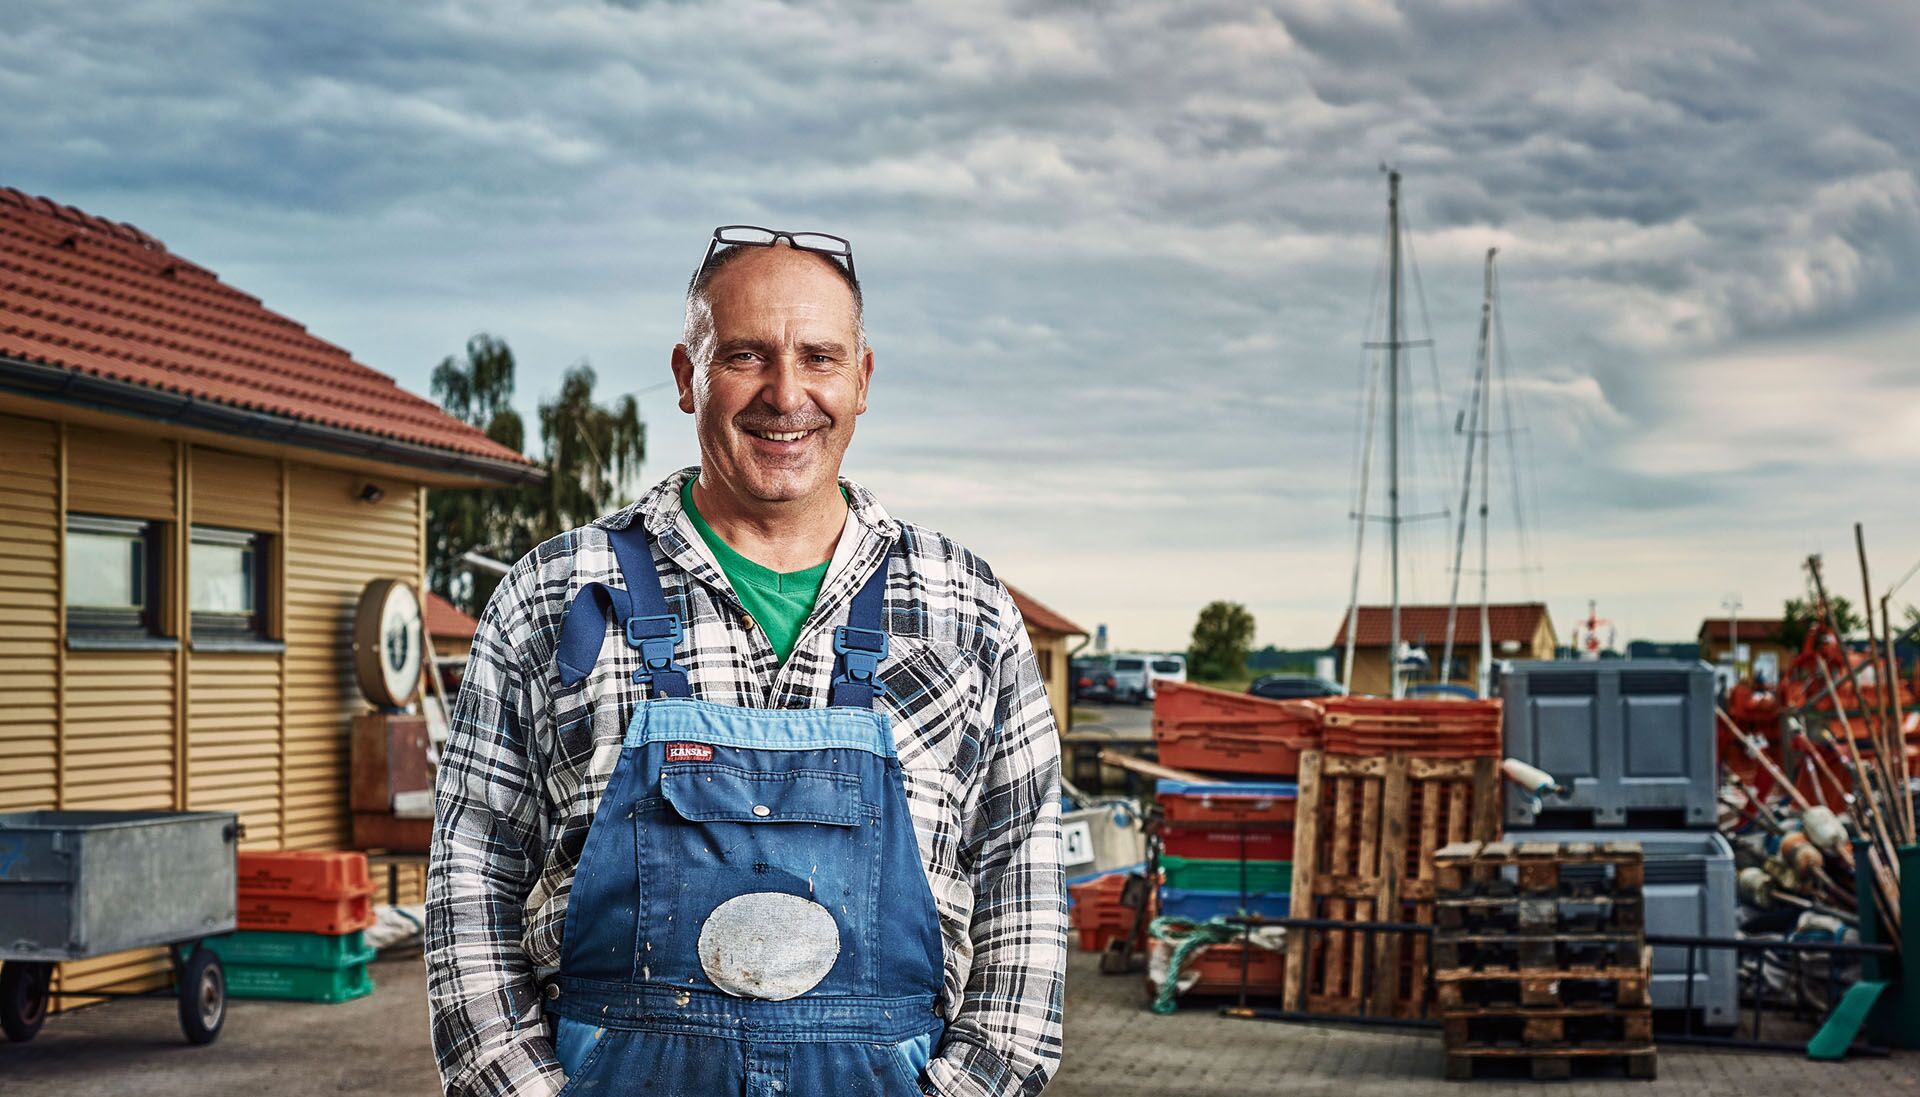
78 884
1631 739
1689 893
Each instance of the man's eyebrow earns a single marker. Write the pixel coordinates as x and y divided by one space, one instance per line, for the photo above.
760 346
826 346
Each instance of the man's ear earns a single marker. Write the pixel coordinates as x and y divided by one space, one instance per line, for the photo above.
866 379
683 376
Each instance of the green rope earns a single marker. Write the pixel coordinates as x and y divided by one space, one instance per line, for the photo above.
1192 936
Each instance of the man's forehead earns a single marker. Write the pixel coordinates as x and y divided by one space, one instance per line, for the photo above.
780 281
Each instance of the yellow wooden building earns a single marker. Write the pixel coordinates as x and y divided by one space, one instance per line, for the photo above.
193 492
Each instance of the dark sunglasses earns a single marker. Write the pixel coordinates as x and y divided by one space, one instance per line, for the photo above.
753 236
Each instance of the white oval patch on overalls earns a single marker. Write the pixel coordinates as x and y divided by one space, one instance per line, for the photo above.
768 945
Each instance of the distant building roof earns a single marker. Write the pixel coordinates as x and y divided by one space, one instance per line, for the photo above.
446 621
81 295
1516 621
1040 617
1753 629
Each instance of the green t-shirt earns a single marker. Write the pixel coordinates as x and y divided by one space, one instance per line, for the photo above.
778 601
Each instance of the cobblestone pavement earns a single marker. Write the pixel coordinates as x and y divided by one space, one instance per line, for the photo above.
1115 1048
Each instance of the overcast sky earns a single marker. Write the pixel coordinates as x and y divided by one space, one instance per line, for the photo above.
1117 256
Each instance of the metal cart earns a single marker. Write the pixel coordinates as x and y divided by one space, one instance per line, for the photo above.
79 884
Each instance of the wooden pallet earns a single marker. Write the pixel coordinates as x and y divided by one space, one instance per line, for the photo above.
1562 988
1504 869
1508 1027
1364 844
1548 915
1481 951
1544 1064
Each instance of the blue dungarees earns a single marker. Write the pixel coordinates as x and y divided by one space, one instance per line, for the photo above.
750 914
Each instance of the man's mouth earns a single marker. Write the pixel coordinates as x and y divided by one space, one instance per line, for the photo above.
781 435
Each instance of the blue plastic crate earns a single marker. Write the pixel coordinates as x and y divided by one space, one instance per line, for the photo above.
1226 788
1200 906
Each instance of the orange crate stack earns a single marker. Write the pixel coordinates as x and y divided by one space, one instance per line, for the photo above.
1367 726
1098 914
1213 731
301 891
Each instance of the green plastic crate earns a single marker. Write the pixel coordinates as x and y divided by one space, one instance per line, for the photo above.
1203 874
298 984
266 948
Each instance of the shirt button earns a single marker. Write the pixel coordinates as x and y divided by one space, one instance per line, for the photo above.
746 621
762 810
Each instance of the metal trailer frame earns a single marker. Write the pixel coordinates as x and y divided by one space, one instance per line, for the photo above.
75 885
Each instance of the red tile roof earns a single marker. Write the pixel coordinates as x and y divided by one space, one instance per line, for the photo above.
1040 617
1752 629
1428 624
100 297
446 621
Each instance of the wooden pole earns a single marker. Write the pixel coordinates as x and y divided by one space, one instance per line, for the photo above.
1899 717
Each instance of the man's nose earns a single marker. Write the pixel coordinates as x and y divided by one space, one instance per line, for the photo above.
783 390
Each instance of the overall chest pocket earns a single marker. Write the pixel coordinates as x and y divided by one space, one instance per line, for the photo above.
807 837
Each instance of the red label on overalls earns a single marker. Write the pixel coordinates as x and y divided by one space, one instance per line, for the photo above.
689 752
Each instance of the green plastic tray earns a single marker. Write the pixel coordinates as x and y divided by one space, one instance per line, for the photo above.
298 984
265 948
1201 874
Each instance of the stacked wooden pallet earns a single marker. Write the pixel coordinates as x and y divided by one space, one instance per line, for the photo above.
1367 829
1540 958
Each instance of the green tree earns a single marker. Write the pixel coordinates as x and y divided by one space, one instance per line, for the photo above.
1221 636
1799 616
592 454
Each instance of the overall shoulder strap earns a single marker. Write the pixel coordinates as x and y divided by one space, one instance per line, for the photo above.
640 611
860 645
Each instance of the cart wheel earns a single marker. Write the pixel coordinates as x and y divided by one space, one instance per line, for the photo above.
24 991
203 996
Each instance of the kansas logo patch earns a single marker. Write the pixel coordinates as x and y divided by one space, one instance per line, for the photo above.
689 752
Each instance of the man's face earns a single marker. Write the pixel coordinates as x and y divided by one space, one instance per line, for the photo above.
774 409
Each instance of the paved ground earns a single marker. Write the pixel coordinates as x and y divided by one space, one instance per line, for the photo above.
1116 1048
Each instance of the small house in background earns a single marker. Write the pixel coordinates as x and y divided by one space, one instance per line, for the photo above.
1765 650
450 629
1051 634
194 492
1521 630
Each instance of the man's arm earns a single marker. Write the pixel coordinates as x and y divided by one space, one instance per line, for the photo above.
487 848
1006 1038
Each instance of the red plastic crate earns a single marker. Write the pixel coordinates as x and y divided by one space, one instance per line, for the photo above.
1219 968
1225 843
289 914
1226 807
1097 911
309 874
1367 726
1214 731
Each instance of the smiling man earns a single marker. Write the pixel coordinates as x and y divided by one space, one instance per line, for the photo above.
751 788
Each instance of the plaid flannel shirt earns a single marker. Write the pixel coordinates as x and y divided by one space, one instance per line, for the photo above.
526 762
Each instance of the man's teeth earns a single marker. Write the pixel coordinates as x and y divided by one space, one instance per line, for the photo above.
782 435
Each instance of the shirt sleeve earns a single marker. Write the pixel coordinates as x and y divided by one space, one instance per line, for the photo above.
1006 1036
488 1032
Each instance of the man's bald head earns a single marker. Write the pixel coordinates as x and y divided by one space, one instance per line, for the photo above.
697 331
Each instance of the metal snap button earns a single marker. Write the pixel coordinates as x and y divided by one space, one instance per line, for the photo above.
762 810
553 990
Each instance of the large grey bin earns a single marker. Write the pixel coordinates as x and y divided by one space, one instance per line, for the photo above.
1689 893
1632 740
79 884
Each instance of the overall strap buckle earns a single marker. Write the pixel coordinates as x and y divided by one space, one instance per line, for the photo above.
656 636
861 651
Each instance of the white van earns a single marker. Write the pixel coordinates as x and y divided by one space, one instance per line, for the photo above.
1172 667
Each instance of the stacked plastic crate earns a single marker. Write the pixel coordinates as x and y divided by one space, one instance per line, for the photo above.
1227 844
303 916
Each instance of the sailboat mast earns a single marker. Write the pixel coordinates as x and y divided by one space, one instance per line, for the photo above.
1475 427
1393 422
1486 450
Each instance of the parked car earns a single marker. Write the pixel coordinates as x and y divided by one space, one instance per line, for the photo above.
1171 667
1133 681
1291 687
1092 680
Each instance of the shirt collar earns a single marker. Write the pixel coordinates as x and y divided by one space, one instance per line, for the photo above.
660 507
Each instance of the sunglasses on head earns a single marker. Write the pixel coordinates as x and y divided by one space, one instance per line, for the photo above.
753 236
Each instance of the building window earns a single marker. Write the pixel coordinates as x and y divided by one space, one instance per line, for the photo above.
112 577
226 581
